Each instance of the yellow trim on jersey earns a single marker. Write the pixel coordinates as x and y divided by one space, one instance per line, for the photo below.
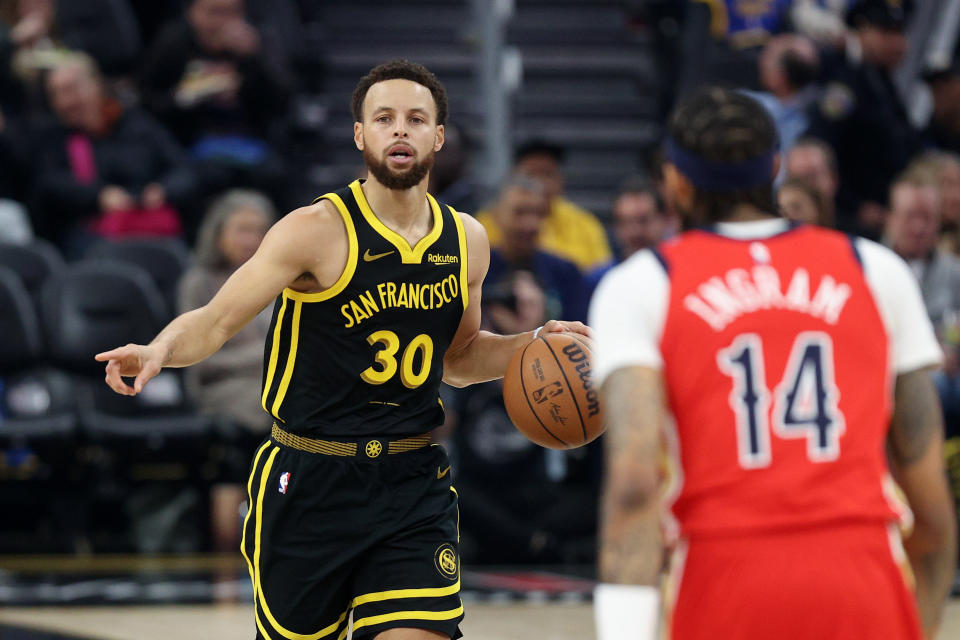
246 518
463 258
272 367
291 359
407 255
379 596
258 588
403 615
458 511
349 269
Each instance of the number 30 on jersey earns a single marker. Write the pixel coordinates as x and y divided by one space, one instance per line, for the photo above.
804 403
386 357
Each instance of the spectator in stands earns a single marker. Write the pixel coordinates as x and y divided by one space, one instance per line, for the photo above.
943 130
568 230
223 89
943 168
812 161
912 228
520 212
639 217
789 66
821 20
640 221
41 32
861 115
228 383
912 231
103 169
800 201
722 41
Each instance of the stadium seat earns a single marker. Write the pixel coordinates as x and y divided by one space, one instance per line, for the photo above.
95 306
21 346
36 403
99 305
38 432
33 263
165 259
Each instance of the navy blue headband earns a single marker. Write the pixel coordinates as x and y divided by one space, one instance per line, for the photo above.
708 175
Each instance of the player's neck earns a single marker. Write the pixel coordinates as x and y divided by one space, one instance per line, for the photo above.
747 213
398 209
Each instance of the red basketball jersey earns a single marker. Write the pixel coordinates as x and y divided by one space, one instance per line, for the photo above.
778 374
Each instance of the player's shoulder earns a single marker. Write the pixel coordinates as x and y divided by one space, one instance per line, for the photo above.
475 232
877 258
318 215
637 273
885 271
470 223
309 229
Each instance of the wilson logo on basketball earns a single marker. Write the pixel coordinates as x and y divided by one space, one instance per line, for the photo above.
582 366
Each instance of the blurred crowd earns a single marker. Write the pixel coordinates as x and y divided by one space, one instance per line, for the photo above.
172 120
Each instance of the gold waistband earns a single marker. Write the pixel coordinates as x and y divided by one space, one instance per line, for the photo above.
372 449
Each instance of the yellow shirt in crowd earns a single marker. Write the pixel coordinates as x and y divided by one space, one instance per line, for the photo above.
571 232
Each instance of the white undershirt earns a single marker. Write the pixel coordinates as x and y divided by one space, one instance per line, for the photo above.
629 308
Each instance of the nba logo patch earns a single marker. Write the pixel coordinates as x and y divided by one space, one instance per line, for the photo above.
284 481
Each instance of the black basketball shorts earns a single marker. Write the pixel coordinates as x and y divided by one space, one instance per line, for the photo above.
330 535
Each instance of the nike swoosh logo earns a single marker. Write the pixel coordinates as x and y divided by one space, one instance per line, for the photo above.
370 257
440 473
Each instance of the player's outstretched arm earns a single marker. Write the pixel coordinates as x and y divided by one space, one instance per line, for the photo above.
288 250
631 546
478 356
915 445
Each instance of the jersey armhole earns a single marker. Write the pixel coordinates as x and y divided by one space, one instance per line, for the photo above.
856 252
464 272
661 259
349 268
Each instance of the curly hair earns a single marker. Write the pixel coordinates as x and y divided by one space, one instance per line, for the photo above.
725 126
403 70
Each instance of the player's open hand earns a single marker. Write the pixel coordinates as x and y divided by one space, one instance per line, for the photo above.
561 326
132 360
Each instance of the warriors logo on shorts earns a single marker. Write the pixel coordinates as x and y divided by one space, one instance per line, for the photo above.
374 448
446 560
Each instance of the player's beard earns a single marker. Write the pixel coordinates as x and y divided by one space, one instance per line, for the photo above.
397 180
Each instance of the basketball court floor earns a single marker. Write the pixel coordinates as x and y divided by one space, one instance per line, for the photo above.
485 621
206 597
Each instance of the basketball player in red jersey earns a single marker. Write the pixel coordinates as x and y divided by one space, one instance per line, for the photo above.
795 362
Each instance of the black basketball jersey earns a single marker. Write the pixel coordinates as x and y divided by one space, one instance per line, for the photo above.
365 357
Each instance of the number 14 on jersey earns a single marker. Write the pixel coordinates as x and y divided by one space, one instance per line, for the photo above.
804 402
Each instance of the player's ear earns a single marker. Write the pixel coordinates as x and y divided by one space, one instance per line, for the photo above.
358 135
438 139
678 188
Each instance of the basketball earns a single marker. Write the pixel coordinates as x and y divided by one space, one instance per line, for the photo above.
549 394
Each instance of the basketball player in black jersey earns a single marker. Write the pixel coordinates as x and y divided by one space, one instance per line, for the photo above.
377 298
